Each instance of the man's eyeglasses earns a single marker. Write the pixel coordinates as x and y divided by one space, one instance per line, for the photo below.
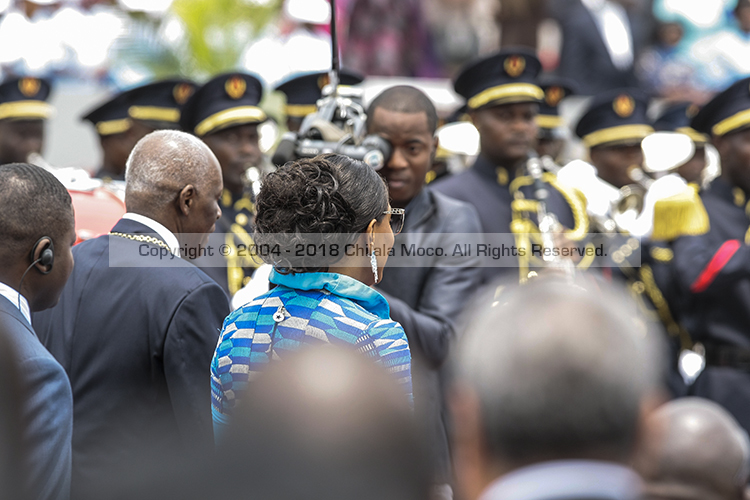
397 219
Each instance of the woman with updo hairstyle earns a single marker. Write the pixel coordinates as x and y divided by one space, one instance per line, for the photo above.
326 227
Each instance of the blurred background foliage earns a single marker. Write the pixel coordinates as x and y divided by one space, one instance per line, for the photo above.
198 38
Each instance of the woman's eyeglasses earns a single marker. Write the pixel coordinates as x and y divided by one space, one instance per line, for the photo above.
397 219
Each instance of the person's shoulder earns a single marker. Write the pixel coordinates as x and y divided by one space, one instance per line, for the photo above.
30 354
458 213
19 333
387 327
460 186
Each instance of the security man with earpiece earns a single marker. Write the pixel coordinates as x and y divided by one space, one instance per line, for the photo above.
36 237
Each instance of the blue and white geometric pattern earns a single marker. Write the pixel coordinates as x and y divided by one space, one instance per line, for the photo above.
251 338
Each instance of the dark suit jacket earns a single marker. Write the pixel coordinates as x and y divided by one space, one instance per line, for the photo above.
47 412
584 57
427 301
137 344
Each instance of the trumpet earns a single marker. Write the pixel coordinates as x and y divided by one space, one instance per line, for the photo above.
630 202
549 225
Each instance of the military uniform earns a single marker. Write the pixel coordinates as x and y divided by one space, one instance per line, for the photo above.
508 77
156 105
711 260
664 289
223 102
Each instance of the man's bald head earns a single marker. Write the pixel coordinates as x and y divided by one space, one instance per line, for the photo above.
163 163
698 452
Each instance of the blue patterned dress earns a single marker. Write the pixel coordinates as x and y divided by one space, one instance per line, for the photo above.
304 309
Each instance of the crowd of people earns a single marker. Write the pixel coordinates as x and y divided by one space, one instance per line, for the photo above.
595 347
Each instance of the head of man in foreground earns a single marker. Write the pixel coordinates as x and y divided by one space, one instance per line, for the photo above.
325 423
553 381
173 178
37 232
698 452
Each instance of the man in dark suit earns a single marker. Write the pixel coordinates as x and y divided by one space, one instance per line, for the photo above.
36 236
599 45
136 325
427 300
503 103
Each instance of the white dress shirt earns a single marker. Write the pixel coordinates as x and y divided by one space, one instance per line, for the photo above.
17 300
168 236
614 27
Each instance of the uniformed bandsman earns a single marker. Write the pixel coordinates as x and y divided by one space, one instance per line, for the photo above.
125 118
712 257
612 129
23 112
503 103
303 91
224 113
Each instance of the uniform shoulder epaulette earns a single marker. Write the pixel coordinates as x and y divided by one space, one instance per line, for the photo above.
573 197
680 215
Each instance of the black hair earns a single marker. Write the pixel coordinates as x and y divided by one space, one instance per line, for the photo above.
404 99
33 203
330 195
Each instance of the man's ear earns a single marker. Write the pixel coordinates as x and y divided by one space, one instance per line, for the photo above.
186 199
470 454
36 256
435 145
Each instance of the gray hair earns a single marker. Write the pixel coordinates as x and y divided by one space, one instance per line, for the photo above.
161 164
560 370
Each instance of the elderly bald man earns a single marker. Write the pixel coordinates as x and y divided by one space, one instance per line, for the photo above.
136 326
552 385
698 452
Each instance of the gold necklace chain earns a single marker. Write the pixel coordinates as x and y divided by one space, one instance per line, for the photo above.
142 238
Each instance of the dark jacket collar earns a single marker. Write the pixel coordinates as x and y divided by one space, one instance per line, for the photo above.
8 307
419 209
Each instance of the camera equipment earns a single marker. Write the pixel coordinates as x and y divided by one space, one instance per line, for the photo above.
338 124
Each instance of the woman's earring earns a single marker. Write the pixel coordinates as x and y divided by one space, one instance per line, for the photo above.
374 264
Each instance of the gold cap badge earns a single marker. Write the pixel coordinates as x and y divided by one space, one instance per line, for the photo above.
29 86
182 92
624 105
514 66
554 95
235 87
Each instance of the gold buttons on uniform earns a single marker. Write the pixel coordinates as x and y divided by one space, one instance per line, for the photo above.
241 219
